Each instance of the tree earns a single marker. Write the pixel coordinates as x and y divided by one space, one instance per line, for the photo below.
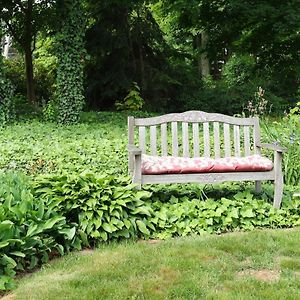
70 53
24 19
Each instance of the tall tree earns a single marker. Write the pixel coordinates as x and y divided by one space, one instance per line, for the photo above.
70 53
24 19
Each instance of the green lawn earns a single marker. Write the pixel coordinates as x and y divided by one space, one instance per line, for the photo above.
254 265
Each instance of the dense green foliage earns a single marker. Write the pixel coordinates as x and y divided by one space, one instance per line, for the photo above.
70 53
183 55
6 94
30 230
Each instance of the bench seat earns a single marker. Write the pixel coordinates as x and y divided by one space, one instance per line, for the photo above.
155 165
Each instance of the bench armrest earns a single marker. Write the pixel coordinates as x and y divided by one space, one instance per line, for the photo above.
132 149
274 147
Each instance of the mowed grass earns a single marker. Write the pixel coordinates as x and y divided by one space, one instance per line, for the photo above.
254 265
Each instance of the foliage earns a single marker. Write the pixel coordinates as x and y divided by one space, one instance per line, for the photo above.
70 53
259 106
6 93
104 207
133 101
30 230
23 21
44 75
238 70
180 216
289 137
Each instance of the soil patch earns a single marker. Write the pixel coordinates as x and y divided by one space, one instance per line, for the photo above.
262 275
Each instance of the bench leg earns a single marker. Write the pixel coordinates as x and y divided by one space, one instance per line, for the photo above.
137 172
278 182
257 187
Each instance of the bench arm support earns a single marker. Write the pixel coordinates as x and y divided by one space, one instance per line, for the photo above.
133 150
273 147
135 164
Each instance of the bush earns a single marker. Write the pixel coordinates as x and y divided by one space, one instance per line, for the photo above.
30 230
104 207
289 137
239 70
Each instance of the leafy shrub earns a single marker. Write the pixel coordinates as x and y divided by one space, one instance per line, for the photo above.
104 207
30 230
238 70
181 216
44 72
289 137
133 101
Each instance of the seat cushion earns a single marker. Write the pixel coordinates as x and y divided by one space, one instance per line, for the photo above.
152 165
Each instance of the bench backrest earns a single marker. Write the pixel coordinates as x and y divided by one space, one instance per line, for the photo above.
195 133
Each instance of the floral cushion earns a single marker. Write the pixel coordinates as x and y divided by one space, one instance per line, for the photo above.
182 165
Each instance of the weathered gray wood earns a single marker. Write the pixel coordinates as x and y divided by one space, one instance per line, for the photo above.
237 148
247 141
207 177
206 139
278 182
185 139
174 139
137 173
217 139
142 138
134 150
257 187
271 147
164 141
194 117
227 140
256 135
196 141
153 138
130 142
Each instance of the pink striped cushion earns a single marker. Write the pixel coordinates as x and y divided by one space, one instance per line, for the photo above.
183 165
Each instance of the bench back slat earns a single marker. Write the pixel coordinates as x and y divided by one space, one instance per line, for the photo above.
142 138
238 137
196 141
237 148
206 139
185 139
217 139
164 141
153 140
174 138
247 140
227 140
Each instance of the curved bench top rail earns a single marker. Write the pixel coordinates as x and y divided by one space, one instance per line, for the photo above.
194 117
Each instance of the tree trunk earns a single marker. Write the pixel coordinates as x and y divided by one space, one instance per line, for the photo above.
29 76
205 67
28 54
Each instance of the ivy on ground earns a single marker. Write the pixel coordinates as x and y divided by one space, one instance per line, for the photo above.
70 52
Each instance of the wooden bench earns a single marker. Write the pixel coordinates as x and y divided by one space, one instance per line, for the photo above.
212 135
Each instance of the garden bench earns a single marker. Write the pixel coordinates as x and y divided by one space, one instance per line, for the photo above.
224 148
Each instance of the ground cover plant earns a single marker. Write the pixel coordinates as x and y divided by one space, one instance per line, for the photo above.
66 187
255 265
